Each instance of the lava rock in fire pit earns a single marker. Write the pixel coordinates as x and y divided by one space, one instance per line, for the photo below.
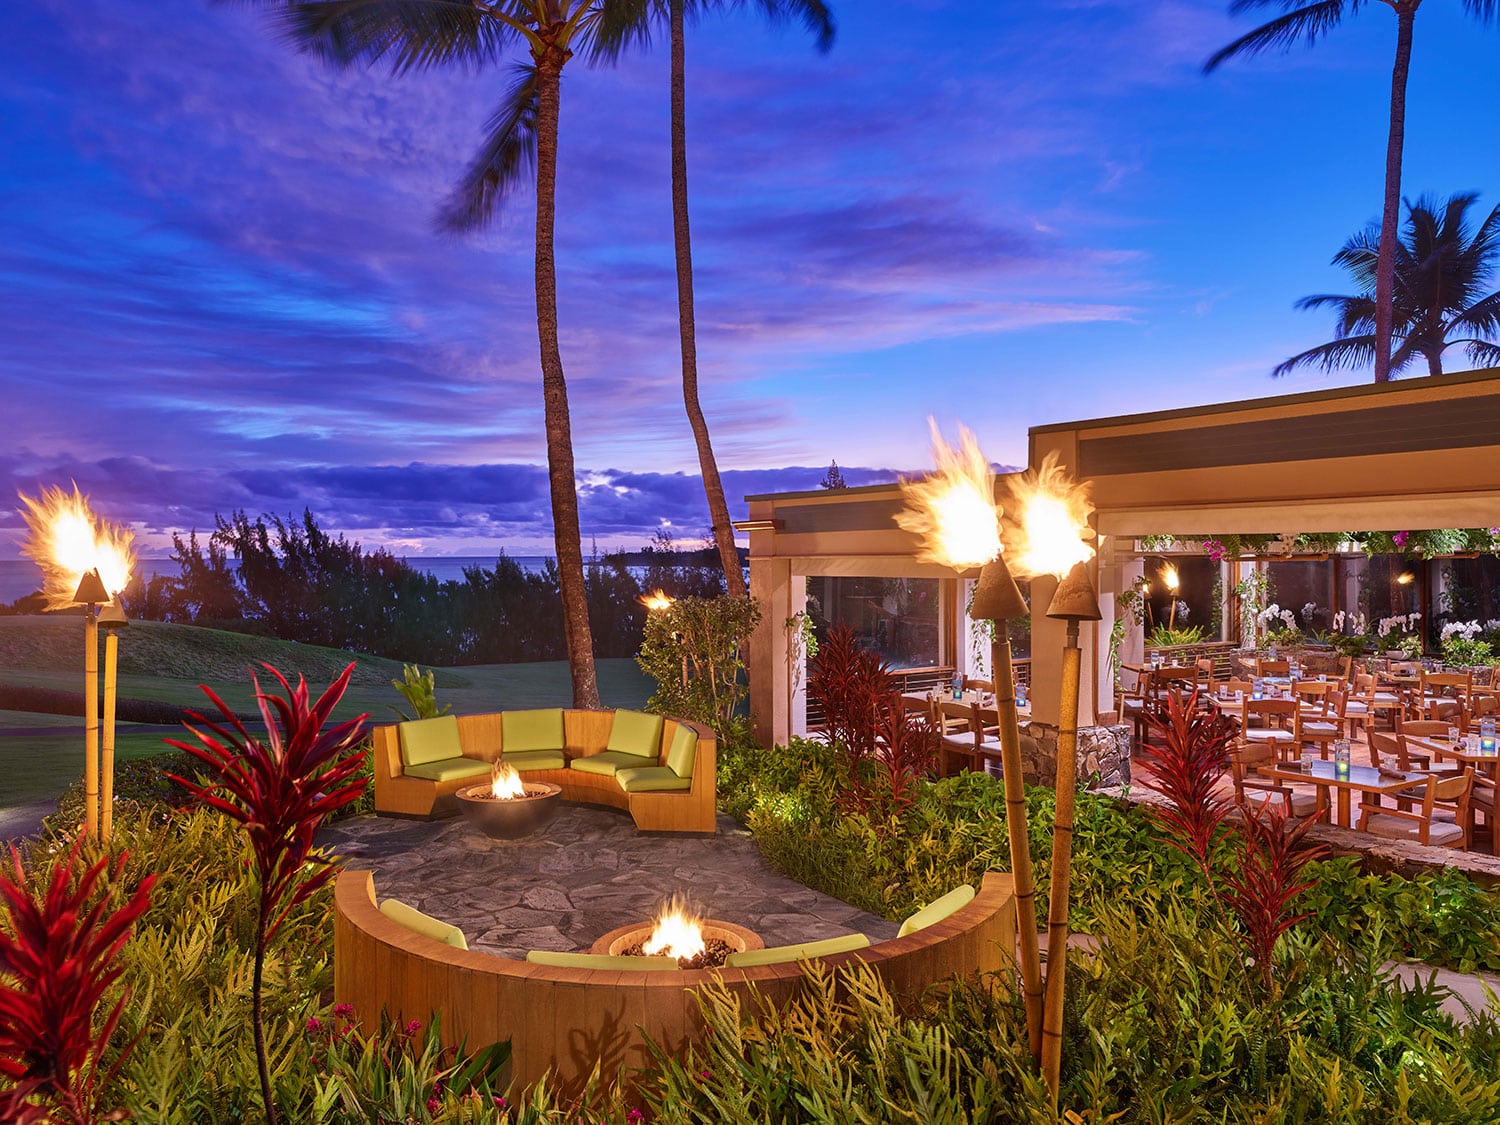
715 952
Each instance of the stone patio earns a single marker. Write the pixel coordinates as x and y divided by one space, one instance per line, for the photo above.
581 876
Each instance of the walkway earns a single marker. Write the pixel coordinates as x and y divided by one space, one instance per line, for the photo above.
586 873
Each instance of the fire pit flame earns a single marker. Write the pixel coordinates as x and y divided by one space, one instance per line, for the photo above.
657 600
505 783
678 931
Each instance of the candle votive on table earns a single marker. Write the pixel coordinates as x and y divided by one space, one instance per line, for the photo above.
1341 758
1453 734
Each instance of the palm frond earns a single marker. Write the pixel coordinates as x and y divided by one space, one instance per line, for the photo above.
1307 23
508 157
1336 355
624 26
814 15
407 34
1482 354
1485 11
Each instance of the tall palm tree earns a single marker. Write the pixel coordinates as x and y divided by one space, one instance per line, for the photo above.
1442 270
628 23
1304 22
522 135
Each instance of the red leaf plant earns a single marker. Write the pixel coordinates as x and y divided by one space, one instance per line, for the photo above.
281 788
905 751
1262 877
57 961
848 682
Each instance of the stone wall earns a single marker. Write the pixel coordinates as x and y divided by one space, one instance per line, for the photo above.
1103 756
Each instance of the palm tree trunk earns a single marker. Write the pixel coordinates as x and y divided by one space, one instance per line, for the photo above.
1385 263
718 509
549 60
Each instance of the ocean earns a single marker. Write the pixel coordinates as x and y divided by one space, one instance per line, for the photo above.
19 577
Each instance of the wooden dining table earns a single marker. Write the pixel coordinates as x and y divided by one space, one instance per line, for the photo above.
1487 764
1362 779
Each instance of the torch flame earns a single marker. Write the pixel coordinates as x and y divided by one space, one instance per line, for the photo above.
952 511
678 931
1054 528
67 540
657 599
505 783
1169 576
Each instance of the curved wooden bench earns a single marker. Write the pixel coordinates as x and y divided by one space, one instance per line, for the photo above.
566 1021
585 733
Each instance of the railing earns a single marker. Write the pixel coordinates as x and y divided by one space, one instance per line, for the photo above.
936 678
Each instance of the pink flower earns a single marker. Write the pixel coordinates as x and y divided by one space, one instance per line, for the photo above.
635 1116
1214 549
413 1027
1400 538
706 1075
433 1105
500 1103
343 1011
314 1024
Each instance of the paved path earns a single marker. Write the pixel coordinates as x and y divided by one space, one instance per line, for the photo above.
587 872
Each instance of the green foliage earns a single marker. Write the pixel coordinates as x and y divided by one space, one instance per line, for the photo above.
419 690
1287 637
1164 635
694 650
1461 652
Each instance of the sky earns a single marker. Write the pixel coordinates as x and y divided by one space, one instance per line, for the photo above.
221 287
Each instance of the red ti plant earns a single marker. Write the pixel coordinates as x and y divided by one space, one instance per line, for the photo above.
849 682
905 750
281 788
1257 884
57 960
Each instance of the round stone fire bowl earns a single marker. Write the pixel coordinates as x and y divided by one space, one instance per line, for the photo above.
614 943
509 819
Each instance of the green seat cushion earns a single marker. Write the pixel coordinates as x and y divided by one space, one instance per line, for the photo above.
651 779
635 732
535 760
682 751
449 769
532 730
429 740
937 910
807 950
600 961
424 924
608 762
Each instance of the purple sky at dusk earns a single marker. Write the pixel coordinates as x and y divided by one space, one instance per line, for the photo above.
222 286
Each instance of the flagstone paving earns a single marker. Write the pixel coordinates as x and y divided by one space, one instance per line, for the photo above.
582 875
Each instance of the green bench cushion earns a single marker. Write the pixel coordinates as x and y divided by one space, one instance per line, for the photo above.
600 961
540 729
449 769
651 779
535 760
424 924
429 740
807 950
635 732
937 910
682 751
608 762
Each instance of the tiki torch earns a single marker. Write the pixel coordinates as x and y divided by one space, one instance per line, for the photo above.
91 593
1053 528
954 515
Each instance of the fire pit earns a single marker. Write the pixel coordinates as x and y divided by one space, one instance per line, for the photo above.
682 932
508 807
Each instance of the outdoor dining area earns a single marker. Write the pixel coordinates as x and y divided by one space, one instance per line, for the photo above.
1402 750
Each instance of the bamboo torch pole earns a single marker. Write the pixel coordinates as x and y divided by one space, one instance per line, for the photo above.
91 593
1073 602
999 599
112 620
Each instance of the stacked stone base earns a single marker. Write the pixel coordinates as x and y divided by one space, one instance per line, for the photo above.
1103 756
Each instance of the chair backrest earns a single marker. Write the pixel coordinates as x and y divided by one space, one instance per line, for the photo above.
1244 757
953 715
978 685
1387 748
1276 712
1423 728
1273 667
1450 793
1244 687
1455 684
1313 689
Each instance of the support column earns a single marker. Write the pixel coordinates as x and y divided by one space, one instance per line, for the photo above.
770 703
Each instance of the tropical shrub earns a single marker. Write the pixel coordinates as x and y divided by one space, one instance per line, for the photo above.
694 650
1163 636
419 689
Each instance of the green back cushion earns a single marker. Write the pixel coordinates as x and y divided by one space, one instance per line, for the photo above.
601 961
532 730
808 950
680 754
429 740
937 910
635 732
424 924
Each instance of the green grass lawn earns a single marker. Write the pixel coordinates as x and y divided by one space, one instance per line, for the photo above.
166 663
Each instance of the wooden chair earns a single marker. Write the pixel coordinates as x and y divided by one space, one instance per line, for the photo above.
1324 723
1446 695
1244 757
1271 722
1368 703
1204 666
1425 728
955 728
1273 667
1391 751
979 685
1437 793
1482 800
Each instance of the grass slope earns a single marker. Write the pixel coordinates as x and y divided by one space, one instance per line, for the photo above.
165 662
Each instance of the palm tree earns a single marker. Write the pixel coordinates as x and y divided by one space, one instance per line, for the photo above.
522 135
1441 272
1307 23
630 23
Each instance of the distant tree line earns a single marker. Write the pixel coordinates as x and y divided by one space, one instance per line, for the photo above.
297 582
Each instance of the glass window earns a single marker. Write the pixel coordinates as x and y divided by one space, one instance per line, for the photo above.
1197 579
899 618
1465 590
1305 588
